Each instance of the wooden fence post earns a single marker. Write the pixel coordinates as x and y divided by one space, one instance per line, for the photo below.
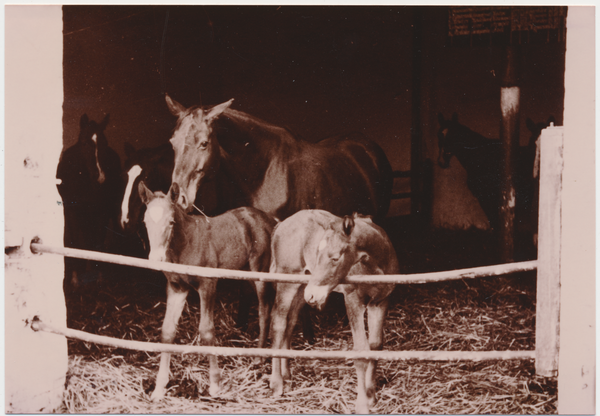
36 363
549 240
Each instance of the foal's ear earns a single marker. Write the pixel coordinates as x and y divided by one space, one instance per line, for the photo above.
348 225
174 107
174 191
217 110
146 194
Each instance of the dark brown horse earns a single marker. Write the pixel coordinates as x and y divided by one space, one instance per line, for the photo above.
482 158
237 240
90 188
329 248
261 165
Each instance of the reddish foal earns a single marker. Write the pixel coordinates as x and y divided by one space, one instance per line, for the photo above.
329 248
238 239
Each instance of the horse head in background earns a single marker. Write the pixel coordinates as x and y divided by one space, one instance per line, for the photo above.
482 159
90 187
153 166
261 165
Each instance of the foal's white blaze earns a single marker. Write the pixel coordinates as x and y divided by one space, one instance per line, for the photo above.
156 213
101 176
322 244
154 220
132 175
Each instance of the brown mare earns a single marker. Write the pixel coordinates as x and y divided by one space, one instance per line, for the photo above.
329 248
238 239
264 166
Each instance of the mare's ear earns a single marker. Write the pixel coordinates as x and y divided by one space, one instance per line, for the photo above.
530 125
441 119
146 194
218 109
454 118
348 225
551 120
174 192
84 121
174 107
104 122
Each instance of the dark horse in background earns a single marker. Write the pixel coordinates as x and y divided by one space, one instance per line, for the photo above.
257 164
482 159
90 188
154 167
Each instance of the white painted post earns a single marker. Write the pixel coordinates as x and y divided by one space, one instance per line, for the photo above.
548 276
35 362
577 363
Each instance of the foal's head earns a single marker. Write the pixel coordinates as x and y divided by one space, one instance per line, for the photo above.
92 142
197 150
159 219
335 257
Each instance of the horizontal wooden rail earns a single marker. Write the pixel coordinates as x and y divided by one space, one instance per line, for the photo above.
484 271
38 325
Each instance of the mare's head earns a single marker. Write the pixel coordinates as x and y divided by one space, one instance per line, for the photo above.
159 219
447 139
92 143
197 151
335 257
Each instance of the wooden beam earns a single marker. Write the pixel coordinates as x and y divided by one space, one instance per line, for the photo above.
548 279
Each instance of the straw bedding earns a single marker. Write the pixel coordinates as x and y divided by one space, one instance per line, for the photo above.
478 315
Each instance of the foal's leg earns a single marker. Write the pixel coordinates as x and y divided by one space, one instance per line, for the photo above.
355 308
176 297
265 294
207 291
376 316
284 299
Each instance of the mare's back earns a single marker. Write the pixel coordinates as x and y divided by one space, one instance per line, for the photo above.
342 175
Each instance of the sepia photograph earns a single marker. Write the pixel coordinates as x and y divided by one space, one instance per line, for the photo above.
287 209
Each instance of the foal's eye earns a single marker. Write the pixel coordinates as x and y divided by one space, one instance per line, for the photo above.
203 145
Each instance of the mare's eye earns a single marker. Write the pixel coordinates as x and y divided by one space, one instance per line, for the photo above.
203 145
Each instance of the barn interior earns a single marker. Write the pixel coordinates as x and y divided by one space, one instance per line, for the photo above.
320 71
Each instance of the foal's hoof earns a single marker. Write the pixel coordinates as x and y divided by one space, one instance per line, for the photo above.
276 389
214 390
157 395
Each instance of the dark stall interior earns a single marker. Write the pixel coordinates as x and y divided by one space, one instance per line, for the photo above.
320 71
